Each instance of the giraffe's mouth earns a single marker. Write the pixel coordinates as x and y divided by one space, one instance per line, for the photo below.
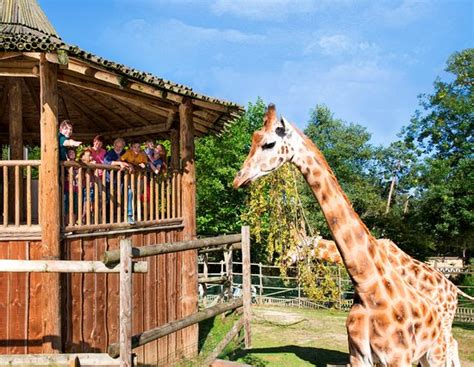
242 180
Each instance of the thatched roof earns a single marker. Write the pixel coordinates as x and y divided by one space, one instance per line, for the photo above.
98 95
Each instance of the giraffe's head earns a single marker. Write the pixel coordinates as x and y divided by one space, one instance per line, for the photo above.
271 148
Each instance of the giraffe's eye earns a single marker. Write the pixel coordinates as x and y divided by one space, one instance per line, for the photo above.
268 145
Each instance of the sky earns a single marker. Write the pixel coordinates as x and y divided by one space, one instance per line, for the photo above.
366 60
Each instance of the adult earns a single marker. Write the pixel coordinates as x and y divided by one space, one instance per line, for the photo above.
113 156
97 150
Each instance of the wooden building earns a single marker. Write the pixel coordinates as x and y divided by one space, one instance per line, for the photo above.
42 82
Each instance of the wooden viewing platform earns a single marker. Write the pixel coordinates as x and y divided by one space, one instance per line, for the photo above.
43 81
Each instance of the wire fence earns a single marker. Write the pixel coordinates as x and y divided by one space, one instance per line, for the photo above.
270 287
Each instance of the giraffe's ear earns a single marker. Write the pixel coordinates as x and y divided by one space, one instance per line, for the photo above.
281 127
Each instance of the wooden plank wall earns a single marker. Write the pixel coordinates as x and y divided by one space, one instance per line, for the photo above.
21 300
90 302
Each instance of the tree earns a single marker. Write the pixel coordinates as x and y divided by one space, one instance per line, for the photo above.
353 160
218 159
442 135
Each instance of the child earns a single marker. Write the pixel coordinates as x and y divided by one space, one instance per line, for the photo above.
71 156
158 164
65 132
149 149
86 158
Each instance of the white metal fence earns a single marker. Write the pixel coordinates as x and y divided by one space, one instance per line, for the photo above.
269 287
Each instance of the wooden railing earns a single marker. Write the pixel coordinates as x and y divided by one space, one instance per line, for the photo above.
99 196
122 261
19 194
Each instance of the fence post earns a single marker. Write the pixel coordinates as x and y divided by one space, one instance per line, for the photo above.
228 266
260 280
339 286
246 284
126 303
299 288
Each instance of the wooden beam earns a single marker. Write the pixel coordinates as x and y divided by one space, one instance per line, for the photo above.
210 105
174 137
103 106
63 104
139 117
113 256
114 81
87 111
173 326
145 103
33 94
50 204
9 55
114 78
18 64
233 332
18 72
64 266
189 258
15 117
144 130
3 105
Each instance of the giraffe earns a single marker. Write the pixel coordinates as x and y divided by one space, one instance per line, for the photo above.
391 322
430 281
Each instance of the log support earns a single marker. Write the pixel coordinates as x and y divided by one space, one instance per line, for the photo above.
15 117
189 300
50 204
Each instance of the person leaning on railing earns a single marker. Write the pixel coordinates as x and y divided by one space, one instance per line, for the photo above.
112 157
135 156
65 140
65 143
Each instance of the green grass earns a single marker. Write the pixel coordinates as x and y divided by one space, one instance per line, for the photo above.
300 337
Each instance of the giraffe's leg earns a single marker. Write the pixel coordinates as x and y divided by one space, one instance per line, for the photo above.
454 354
357 325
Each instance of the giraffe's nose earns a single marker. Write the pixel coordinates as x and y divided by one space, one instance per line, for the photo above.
238 180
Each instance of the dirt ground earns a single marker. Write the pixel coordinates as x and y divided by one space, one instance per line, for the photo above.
300 337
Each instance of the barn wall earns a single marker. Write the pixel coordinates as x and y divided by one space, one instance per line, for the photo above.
90 302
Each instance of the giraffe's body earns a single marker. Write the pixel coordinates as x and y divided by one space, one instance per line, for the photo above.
428 280
391 322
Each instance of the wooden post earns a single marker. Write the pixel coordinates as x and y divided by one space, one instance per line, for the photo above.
50 204
174 137
189 285
299 288
339 286
125 303
260 279
15 117
246 284
228 270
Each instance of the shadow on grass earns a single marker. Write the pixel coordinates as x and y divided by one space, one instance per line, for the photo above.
463 325
315 356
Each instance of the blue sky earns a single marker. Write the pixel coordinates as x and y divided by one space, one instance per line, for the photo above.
366 60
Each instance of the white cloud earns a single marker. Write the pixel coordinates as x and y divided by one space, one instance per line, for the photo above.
262 9
401 15
177 29
340 44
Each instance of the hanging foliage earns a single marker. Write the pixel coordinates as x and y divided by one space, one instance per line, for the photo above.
277 223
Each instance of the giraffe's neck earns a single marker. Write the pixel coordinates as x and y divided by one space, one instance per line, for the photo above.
354 241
